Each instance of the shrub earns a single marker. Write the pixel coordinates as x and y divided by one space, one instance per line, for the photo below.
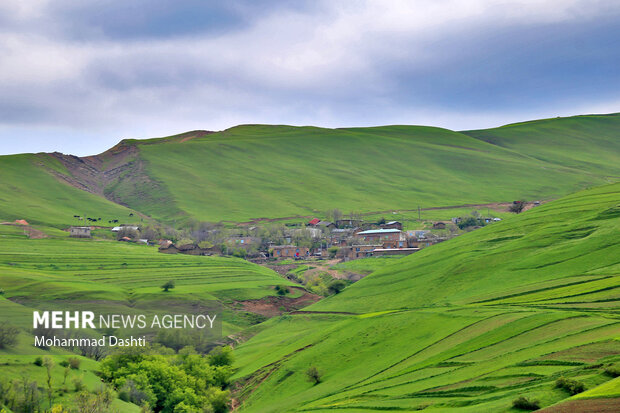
612 371
8 335
239 253
282 289
523 403
332 251
313 374
336 286
74 363
38 361
570 385
221 356
517 207
78 383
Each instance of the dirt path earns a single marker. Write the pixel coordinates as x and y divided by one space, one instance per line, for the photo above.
272 306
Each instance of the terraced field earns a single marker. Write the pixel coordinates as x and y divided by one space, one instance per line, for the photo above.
60 267
468 325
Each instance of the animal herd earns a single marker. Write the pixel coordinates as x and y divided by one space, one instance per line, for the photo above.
89 219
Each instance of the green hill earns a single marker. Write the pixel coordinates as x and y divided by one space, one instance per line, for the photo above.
254 171
468 325
34 187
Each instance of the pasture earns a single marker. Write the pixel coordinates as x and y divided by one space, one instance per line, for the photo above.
468 325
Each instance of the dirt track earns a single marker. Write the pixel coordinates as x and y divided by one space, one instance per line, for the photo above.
274 305
601 405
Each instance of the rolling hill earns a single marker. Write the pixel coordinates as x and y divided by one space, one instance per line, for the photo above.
468 325
254 171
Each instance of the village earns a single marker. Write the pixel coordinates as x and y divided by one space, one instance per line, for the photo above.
344 239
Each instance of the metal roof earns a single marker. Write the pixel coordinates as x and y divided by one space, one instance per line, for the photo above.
379 231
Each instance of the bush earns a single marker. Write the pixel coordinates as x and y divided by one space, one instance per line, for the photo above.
570 385
38 361
524 403
74 363
313 374
78 383
282 290
8 335
336 286
332 251
471 222
221 356
517 207
612 371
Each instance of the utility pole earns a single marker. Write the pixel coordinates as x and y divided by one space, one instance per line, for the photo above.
419 214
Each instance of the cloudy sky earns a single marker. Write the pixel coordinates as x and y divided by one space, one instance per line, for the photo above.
78 76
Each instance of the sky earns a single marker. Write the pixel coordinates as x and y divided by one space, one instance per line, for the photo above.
79 76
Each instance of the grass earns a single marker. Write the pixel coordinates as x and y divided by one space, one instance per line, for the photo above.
87 270
30 190
272 171
467 325
277 171
63 268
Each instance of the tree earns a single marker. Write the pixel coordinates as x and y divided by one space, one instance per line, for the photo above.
49 365
127 232
313 374
168 286
8 335
332 251
336 286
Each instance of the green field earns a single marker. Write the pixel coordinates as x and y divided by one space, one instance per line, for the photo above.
278 171
465 326
60 267
85 270
30 190
255 171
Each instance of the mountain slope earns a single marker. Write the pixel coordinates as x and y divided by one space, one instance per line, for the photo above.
254 171
590 143
36 187
464 326
274 171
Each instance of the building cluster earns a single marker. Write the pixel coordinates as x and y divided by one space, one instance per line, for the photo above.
346 239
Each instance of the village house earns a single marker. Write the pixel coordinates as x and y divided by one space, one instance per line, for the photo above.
392 225
389 238
289 251
353 252
419 242
126 227
378 252
80 232
315 222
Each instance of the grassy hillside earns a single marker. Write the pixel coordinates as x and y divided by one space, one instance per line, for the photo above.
84 270
30 189
468 325
60 267
275 171
588 143
255 171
